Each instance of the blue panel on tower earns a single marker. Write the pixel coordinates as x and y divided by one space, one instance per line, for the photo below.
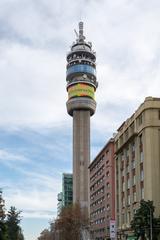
81 68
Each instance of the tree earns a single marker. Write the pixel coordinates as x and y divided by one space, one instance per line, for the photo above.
45 235
13 228
52 230
71 223
48 234
3 230
144 223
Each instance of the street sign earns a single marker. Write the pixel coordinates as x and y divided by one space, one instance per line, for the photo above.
112 229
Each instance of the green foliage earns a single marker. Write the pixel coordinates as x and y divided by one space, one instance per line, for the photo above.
144 219
3 229
156 228
9 228
12 222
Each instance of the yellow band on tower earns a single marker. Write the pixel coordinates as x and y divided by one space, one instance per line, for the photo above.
81 90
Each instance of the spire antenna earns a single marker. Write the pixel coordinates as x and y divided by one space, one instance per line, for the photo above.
81 36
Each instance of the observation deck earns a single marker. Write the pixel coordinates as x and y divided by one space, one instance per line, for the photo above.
81 75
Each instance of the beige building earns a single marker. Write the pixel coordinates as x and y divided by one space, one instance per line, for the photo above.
137 148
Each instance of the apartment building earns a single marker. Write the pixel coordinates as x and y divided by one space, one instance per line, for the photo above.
137 149
102 192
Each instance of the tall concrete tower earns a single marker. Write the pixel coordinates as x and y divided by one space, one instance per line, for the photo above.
81 86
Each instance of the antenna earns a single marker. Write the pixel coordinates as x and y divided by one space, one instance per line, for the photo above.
81 36
80 28
76 33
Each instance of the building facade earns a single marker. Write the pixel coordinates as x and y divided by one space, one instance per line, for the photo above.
102 192
67 189
65 198
81 86
137 149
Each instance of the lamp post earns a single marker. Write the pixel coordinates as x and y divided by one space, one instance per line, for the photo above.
150 219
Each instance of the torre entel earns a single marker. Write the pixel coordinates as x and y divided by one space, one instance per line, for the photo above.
81 104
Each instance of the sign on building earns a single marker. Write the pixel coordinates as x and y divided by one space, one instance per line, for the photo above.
112 229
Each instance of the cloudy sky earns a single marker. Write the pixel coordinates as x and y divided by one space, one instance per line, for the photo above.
35 130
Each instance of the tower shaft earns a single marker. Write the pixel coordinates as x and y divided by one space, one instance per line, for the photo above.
81 156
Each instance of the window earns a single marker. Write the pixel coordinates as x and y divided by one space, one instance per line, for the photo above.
133 164
123 172
123 218
108 185
159 114
123 202
134 196
141 157
132 128
142 175
108 174
142 193
123 186
128 183
140 143
126 134
108 195
108 207
129 199
133 146
122 156
116 145
134 179
121 139
128 217
81 68
140 119
127 153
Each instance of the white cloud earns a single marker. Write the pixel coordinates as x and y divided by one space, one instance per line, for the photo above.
33 203
7 157
35 194
32 64
29 92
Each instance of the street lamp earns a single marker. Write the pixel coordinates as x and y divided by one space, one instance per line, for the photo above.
150 219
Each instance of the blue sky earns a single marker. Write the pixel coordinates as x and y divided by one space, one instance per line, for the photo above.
35 129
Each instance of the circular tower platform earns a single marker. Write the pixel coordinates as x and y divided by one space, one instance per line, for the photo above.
80 103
